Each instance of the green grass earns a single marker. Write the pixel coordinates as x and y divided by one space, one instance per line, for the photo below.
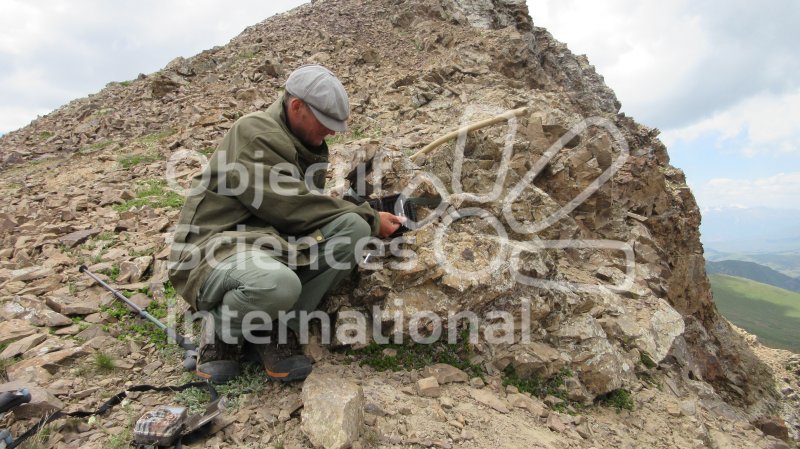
78 321
145 252
12 187
647 361
120 440
541 388
412 356
134 327
44 135
755 272
103 362
194 399
153 193
619 399
95 147
538 387
157 309
113 273
771 313
133 160
338 138
98 257
251 381
39 439
170 293
144 331
353 134
5 363
106 235
158 136
151 143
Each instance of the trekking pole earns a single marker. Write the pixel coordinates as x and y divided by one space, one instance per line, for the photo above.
190 356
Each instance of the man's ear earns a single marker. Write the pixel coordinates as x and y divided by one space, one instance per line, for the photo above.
295 104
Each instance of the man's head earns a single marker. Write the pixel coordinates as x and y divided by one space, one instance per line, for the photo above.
317 104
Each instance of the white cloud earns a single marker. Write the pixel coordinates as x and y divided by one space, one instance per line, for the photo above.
768 124
780 191
21 25
646 51
53 51
718 77
20 116
673 63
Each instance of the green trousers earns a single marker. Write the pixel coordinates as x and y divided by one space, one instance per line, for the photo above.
249 289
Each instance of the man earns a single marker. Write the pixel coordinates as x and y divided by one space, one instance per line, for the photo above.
257 237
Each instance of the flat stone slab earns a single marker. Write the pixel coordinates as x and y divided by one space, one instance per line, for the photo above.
31 309
20 346
71 306
12 330
76 238
488 398
445 373
49 362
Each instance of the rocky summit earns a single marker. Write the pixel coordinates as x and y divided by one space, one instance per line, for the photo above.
556 246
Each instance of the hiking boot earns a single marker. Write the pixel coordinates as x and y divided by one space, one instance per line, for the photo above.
217 361
281 362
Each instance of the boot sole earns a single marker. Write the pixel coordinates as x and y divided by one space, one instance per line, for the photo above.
218 371
291 369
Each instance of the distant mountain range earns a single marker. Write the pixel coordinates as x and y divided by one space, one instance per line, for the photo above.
785 262
755 272
748 230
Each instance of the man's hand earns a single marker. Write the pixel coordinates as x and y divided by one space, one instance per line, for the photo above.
389 224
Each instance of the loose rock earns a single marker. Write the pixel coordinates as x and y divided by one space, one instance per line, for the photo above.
429 387
488 398
444 373
333 411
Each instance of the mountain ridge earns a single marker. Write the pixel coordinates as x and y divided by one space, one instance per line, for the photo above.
755 272
784 262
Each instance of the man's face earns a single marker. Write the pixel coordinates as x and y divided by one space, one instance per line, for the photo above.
305 125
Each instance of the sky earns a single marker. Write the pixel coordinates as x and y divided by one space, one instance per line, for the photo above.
719 78
54 51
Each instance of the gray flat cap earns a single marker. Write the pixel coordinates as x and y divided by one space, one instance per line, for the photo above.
324 94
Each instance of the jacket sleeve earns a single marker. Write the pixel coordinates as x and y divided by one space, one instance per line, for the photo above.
273 190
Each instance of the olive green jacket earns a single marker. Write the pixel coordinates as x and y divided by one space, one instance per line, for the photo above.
251 195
